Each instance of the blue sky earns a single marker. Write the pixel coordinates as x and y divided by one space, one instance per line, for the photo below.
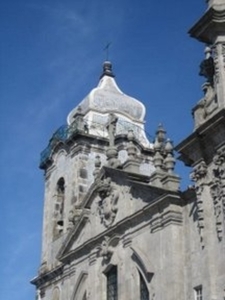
51 57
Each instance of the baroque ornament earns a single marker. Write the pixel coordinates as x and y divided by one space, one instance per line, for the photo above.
219 60
105 249
207 68
218 190
223 55
198 176
108 201
209 102
216 63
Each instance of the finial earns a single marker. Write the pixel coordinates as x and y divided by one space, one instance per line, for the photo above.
130 135
107 69
169 146
97 165
169 161
131 148
158 161
160 133
97 161
79 109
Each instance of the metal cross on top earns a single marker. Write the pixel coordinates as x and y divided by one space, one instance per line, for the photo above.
111 127
106 49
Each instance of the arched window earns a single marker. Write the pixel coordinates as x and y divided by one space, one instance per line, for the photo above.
60 202
112 286
59 207
144 293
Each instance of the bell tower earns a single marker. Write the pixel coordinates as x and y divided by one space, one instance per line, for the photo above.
93 136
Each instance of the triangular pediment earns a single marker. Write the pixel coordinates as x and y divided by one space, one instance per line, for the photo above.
113 200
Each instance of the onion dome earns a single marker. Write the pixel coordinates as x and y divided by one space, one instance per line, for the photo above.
108 98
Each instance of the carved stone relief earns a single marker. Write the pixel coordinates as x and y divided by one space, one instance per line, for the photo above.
107 248
223 54
209 68
198 176
107 205
74 215
216 63
219 58
209 101
218 190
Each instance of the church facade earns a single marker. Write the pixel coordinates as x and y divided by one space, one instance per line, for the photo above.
116 225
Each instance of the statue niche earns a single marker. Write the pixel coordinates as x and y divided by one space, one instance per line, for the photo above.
208 104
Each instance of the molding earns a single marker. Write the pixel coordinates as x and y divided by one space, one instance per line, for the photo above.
165 219
169 217
210 25
43 280
48 276
202 142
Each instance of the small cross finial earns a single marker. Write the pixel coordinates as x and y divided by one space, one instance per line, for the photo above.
106 49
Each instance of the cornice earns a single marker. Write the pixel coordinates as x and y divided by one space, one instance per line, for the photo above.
209 26
47 276
202 142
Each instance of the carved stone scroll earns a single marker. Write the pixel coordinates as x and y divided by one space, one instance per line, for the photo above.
198 176
218 190
219 61
216 64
